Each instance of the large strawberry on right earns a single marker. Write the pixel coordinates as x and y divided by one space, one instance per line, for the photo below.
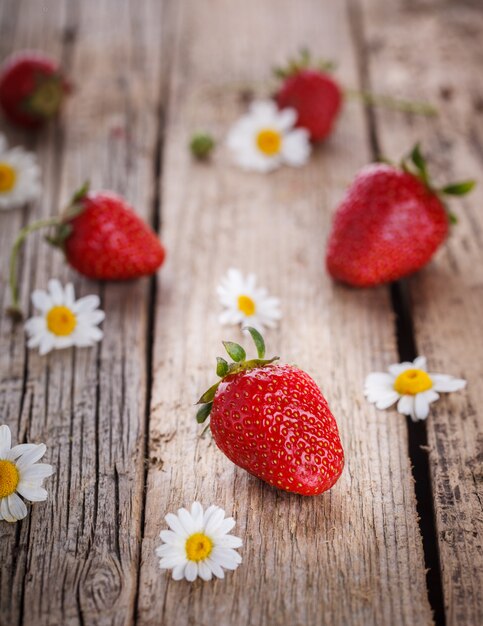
273 421
390 223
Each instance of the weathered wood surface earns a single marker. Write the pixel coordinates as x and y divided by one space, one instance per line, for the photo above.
149 73
447 297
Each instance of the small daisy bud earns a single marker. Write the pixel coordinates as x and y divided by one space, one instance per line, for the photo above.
201 145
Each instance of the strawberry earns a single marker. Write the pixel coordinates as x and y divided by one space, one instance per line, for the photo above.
390 223
102 238
273 421
313 93
32 88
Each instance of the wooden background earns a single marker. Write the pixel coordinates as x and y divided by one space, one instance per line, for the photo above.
118 419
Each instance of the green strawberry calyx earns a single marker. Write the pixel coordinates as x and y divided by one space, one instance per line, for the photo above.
415 164
239 364
62 230
46 98
303 61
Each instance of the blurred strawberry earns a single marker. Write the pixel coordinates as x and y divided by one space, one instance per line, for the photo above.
312 92
32 88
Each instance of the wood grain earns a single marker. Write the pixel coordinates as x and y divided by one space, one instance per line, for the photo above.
429 50
74 560
354 555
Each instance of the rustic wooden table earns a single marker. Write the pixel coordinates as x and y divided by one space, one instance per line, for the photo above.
118 419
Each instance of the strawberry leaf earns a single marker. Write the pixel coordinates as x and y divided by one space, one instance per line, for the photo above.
235 351
257 340
459 189
420 162
209 395
221 367
81 193
203 412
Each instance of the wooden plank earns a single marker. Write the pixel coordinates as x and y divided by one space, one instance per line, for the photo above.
353 556
75 559
431 50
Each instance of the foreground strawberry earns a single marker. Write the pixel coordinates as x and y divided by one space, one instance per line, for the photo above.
102 238
32 88
273 421
313 93
390 223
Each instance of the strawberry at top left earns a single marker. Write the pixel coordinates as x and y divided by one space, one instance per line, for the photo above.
32 88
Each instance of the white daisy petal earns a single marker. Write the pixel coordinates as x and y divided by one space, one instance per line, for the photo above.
447 384
16 509
31 492
214 521
421 407
41 300
178 572
198 543
386 399
5 440
175 525
31 456
204 571
215 568
191 571
405 406
186 521
420 363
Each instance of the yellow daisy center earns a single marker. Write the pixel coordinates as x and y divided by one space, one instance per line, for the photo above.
61 321
246 305
8 176
9 478
412 381
198 547
269 141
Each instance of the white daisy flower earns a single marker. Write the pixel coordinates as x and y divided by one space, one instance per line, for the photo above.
20 474
411 386
198 543
19 176
245 303
63 321
265 138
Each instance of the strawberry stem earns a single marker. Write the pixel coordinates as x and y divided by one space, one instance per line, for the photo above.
388 102
14 310
224 369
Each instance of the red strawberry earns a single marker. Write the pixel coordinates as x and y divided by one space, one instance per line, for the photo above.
313 93
32 88
102 238
273 421
108 241
389 224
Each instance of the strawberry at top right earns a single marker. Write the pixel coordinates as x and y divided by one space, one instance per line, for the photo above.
390 222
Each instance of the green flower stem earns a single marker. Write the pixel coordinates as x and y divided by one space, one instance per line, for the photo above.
15 310
388 102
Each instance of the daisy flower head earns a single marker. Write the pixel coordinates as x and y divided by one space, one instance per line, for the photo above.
265 138
20 474
19 176
245 303
199 544
411 386
63 321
